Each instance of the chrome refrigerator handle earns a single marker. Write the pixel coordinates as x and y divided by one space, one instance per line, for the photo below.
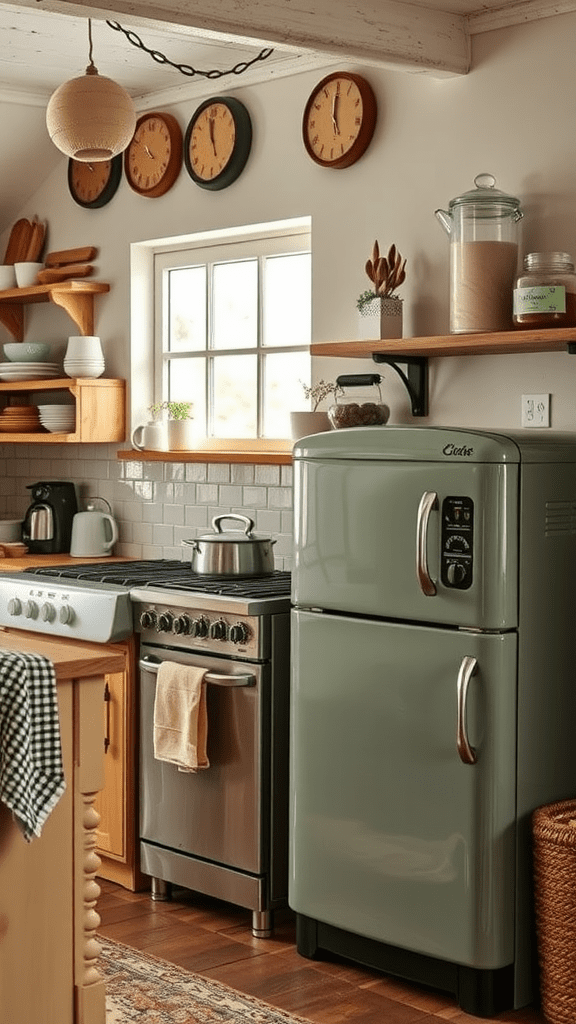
214 678
428 501
467 670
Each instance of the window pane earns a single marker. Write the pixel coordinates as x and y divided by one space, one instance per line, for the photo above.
283 392
187 303
186 383
287 302
235 393
235 304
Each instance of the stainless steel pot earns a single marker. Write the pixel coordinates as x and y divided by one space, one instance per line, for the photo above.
233 553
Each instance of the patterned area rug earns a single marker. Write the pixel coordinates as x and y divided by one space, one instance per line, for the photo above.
145 989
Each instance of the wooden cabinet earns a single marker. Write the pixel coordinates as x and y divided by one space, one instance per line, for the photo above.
75 297
48 895
100 409
117 803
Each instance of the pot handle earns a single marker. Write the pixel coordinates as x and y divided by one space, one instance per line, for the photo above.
248 523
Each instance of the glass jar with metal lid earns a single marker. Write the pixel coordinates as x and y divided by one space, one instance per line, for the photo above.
545 293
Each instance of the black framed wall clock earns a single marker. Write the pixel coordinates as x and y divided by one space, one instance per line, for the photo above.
217 142
339 120
93 184
153 157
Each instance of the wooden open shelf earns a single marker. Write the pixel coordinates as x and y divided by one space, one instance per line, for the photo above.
553 339
100 409
75 297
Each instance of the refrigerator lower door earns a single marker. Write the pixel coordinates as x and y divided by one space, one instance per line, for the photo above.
395 836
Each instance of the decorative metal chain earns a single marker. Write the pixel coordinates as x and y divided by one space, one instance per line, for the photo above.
186 69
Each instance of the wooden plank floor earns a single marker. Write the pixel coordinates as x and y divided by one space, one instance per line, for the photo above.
215 939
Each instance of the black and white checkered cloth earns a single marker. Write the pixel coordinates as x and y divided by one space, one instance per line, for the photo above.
31 771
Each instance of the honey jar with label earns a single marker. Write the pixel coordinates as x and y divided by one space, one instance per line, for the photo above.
545 293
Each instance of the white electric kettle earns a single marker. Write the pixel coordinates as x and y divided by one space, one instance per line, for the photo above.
94 533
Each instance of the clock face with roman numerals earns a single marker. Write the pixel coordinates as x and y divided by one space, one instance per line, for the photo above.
153 159
339 120
217 142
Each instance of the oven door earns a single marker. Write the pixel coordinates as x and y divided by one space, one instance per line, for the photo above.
218 814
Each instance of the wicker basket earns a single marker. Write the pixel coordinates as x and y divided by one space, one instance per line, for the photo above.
554 845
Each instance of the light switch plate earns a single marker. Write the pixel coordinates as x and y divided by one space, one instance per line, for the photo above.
535 410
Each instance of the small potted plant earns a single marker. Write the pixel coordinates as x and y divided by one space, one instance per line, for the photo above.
180 425
314 421
380 308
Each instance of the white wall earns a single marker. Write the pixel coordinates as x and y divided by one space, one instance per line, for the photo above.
512 116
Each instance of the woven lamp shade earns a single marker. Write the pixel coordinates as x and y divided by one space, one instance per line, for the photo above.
91 118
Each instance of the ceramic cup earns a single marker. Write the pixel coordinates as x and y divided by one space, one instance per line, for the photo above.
84 347
27 274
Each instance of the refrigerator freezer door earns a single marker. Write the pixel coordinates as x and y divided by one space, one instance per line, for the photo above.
395 836
432 542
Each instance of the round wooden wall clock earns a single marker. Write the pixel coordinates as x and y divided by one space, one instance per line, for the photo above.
153 158
217 142
93 184
339 120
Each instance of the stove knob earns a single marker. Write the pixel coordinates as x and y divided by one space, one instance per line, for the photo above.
66 615
14 606
218 630
181 625
199 628
31 610
47 612
165 621
239 633
148 619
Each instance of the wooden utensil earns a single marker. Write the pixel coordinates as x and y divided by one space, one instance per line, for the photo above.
36 242
66 256
18 241
64 273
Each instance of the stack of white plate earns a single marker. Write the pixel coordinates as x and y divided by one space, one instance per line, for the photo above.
29 371
83 367
58 419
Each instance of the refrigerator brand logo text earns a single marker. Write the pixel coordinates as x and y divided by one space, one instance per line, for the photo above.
452 449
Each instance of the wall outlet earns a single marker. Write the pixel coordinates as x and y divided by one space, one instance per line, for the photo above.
535 410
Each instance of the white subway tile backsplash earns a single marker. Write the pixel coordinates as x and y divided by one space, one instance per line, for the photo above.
218 472
269 476
157 505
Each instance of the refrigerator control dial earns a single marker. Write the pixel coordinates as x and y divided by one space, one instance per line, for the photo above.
457 561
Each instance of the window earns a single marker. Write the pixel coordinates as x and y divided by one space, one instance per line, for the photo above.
232 331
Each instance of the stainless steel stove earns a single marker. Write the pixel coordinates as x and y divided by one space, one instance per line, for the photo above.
223 831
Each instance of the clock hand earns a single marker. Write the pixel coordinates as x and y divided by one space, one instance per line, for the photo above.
212 135
335 113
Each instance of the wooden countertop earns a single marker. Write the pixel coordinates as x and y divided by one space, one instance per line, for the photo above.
72 659
28 561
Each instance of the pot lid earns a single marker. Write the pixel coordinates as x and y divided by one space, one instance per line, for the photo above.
485 192
219 536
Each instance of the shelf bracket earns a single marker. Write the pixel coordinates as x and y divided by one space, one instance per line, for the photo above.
12 317
79 307
415 380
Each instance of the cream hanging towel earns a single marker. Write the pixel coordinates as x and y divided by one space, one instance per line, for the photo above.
180 720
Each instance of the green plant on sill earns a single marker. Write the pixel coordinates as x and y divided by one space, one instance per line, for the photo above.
387 273
175 410
321 390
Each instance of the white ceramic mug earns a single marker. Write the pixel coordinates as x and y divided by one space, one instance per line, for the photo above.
152 436
84 347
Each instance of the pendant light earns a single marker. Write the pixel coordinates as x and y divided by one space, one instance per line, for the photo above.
90 118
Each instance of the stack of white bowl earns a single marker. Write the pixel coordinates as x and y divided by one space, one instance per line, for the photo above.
84 357
58 419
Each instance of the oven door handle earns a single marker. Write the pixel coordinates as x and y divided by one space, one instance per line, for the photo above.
214 678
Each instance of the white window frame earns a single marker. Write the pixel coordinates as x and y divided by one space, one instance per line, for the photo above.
146 372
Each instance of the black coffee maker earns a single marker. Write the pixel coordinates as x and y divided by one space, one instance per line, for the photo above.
47 525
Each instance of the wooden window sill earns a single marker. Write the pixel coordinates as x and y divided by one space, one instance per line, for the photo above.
258 453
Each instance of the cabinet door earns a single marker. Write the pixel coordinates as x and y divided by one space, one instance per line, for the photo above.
394 836
111 802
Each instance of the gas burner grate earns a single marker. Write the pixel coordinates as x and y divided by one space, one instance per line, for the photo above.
165 574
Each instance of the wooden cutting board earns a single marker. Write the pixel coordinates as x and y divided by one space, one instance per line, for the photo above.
66 256
54 274
18 241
